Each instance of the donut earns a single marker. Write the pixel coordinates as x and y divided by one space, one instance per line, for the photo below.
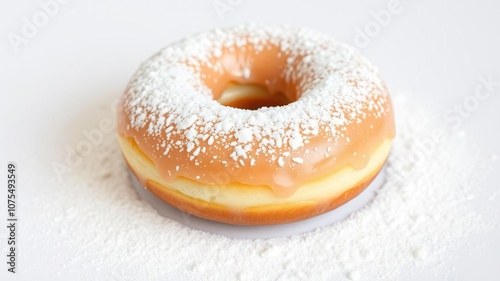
256 124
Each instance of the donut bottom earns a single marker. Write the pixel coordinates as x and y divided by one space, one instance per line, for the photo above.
241 204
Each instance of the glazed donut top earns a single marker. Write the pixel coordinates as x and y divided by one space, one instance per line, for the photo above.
340 110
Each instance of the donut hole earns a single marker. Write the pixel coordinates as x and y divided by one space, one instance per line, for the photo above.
250 78
251 97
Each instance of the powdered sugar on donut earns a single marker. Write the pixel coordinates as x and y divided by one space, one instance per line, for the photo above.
168 97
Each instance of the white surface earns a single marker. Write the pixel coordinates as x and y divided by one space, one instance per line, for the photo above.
87 52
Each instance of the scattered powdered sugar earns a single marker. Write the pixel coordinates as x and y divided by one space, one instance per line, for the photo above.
420 214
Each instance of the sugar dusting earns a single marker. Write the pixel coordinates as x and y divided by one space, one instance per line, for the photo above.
337 87
420 214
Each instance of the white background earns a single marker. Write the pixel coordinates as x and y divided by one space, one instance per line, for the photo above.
85 54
